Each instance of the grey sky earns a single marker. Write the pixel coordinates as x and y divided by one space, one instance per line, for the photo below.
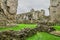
26 5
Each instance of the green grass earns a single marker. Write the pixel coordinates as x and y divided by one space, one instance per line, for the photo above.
38 36
57 27
19 27
45 36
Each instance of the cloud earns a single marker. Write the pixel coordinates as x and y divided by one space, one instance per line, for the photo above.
26 5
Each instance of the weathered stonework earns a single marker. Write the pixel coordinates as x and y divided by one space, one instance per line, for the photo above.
24 33
30 17
8 9
55 10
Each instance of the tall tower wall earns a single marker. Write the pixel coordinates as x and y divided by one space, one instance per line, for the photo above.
54 10
8 9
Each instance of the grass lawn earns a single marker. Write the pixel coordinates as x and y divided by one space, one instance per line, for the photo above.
19 27
45 36
38 36
57 28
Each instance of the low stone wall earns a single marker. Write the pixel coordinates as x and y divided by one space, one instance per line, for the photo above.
24 33
17 35
27 21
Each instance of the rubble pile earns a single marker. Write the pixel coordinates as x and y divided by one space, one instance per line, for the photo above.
44 27
17 35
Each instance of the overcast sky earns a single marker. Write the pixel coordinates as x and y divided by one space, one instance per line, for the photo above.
27 5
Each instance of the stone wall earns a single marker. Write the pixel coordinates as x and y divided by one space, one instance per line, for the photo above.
24 33
8 9
55 10
30 17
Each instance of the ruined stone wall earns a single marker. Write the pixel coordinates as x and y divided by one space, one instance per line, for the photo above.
23 34
54 10
8 9
58 13
30 17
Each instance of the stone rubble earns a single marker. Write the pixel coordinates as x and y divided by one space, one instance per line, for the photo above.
56 33
17 35
44 27
24 33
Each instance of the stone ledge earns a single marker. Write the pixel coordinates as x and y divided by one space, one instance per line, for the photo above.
56 33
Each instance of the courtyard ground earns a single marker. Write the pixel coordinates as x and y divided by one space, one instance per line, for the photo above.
38 36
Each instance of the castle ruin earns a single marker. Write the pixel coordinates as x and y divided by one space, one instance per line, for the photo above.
30 17
54 10
8 16
8 9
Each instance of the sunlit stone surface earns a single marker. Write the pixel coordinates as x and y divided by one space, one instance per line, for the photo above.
8 9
